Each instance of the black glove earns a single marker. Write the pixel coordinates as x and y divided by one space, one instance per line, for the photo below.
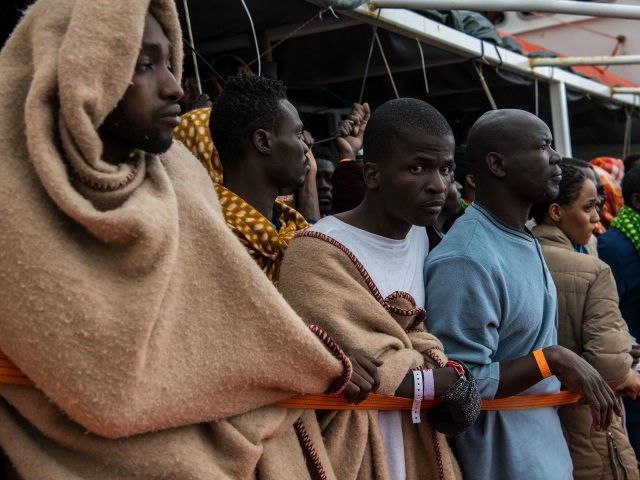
460 408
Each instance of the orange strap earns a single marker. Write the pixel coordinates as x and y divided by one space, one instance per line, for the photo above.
11 374
384 402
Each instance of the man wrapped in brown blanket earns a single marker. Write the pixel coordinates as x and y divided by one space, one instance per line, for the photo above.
364 285
153 341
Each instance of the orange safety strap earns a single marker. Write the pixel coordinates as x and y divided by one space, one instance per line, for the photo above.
385 402
11 374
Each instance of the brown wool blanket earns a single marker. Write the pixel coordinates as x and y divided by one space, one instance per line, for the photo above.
333 290
154 341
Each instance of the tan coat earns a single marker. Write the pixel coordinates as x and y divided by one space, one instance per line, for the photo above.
590 324
331 288
155 342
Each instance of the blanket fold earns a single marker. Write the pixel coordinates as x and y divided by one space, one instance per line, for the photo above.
333 290
125 297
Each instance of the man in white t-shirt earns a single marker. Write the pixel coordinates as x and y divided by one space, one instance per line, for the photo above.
364 267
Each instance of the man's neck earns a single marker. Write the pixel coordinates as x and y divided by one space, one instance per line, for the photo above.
510 211
253 190
116 153
369 217
439 223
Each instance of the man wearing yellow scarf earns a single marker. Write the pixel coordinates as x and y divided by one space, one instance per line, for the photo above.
193 132
259 138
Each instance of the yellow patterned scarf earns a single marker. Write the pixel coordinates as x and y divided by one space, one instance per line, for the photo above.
193 132
264 243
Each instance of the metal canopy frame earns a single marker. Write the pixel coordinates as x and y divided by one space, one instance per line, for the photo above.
594 60
592 9
413 25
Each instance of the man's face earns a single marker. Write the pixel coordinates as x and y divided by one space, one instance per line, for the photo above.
149 112
533 169
290 164
602 194
323 184
414 182
452 201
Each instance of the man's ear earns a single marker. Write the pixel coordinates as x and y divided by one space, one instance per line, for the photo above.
262 141
554 212
635 201
371 172
470 180
496 163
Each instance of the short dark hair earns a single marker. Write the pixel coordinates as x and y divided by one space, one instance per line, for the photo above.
575 162
630 184
630 160
395 118
246 104
568 191
584 165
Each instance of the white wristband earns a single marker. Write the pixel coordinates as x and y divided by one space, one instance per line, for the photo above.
429 385
418 395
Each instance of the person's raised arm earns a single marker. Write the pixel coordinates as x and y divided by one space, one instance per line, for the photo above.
306 197
349 132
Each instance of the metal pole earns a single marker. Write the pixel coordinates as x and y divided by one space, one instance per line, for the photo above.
386 65
560 118
592 9
595 60
193 45
635 90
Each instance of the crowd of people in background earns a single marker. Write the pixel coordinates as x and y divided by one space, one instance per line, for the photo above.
170 278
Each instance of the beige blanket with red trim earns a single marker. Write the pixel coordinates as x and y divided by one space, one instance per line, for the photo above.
139 316
332 290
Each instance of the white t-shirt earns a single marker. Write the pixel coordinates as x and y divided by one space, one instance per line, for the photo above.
394 265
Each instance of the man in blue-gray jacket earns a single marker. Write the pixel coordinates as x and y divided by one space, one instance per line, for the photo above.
502 320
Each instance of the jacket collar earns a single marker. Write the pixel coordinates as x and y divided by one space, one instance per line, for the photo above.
550 235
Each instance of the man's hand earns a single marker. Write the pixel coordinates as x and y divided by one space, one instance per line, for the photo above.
202 101
349 132
633 389
461 402
306 197
580 377
313 166
364 378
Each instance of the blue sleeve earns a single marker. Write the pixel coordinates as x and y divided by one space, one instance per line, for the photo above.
608 254
464 312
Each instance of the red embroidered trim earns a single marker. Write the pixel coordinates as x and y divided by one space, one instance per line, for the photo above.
436 448
418 312
307 445
432 355
339 354
109 188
